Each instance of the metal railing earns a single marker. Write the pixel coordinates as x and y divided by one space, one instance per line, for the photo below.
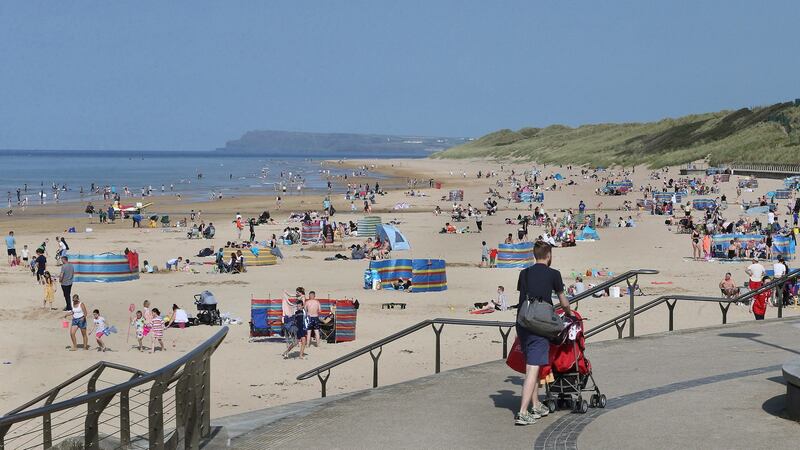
671 301
186 381
375 349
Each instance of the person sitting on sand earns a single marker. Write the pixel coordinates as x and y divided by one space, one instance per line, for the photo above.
728 287
509 239
499 304
402 284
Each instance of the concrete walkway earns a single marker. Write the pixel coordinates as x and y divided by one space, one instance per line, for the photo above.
710 388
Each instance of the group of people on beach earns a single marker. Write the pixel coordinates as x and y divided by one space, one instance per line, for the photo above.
301 320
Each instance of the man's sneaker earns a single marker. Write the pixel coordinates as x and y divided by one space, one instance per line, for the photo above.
540 410
524 418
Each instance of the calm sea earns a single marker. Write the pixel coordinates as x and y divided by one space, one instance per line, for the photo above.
177 171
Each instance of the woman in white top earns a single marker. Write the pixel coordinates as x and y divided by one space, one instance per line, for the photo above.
78 314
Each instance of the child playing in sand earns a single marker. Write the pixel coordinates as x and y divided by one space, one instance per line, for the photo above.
138 324
99 330
157 328
49 291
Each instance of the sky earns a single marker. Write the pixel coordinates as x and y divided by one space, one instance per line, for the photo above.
190 75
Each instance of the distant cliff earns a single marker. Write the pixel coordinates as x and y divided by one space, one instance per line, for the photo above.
295 143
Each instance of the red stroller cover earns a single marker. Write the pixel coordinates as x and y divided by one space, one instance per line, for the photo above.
562 356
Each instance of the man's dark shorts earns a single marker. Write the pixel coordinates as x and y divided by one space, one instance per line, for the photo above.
313 323
535 348
12 252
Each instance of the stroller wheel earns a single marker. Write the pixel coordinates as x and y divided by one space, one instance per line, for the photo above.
551 405
593 400
584 406
601 401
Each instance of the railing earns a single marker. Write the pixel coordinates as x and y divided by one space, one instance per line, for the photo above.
376 348
724 304
755 167
186 381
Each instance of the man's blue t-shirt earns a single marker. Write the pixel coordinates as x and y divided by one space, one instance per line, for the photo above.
10 242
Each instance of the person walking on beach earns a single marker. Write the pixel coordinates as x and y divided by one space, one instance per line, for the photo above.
538 281
78 313
312 308
65 278
11 248
49 291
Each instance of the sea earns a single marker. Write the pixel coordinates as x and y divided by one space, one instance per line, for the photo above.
195 175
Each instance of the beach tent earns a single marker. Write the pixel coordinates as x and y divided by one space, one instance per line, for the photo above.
264 258
367 226
783 194
309 232
558 176
750 183
783 246
702 204
394 236
427 275
588 234
724 177
456 195
104 268
519 255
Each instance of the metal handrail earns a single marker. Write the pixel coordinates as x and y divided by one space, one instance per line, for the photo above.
96 400
378 345
620 320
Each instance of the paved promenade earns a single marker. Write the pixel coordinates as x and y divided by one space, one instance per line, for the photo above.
714 388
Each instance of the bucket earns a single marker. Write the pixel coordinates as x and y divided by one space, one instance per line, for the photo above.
613 291
65 324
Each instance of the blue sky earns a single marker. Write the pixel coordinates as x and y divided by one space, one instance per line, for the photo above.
193 74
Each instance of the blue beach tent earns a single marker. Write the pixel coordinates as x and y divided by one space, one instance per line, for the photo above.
394 236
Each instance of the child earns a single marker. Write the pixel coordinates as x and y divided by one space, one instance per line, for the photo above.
138 324
99 330
157 328
49 291
25 256
484 255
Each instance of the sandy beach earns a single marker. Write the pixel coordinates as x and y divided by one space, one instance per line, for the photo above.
248 376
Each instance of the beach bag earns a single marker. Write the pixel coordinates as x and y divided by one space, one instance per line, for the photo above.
539 318
516 359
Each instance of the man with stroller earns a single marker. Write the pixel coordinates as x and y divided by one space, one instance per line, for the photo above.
538 281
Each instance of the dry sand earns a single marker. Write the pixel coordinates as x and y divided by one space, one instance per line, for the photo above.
248 376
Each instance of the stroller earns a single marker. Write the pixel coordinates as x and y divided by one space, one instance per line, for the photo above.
572 371
207 312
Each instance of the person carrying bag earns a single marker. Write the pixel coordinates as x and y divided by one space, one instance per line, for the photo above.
537 323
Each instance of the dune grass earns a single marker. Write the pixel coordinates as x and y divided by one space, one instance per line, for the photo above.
768 134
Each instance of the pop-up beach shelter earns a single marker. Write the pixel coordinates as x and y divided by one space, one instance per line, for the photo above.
394 236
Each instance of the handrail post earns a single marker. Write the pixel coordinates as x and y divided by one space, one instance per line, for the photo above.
505 340
375 365
438 332
205 379
631 292
671 307
124 419
323 381
724 310
780 298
